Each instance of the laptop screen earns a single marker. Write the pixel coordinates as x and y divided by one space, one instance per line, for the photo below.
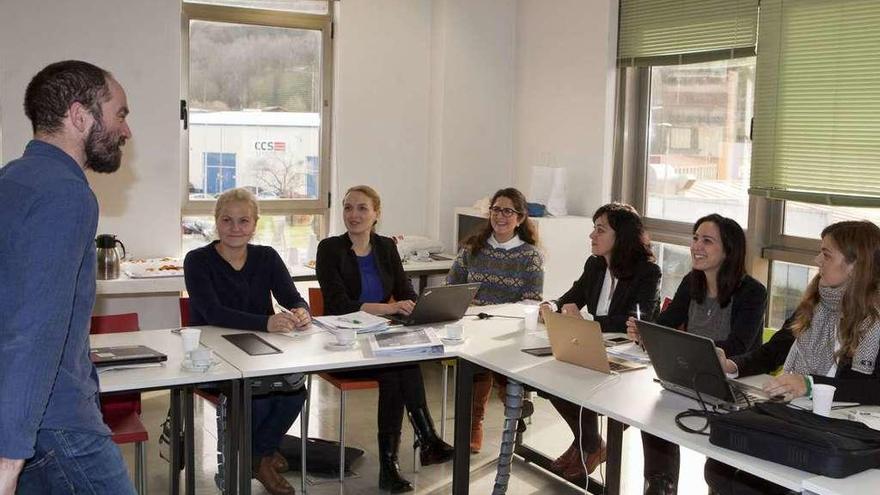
685 359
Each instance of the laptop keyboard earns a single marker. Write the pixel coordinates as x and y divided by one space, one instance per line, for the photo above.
617 366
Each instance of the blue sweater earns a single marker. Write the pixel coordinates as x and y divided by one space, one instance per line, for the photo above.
47 265
220 295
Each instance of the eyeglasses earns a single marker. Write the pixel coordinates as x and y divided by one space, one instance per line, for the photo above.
504 212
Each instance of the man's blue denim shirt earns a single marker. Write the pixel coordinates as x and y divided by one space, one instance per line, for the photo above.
48 218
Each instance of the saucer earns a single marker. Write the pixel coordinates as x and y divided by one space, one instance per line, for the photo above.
188 365
449 341
335 346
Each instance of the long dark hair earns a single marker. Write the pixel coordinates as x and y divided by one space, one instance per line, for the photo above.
631 244
733 268
526 230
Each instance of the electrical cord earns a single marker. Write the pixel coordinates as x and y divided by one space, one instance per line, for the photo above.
486 316
703 412
615 376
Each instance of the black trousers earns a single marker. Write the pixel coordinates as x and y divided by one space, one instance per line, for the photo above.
588 425
399 387
727 480
662 458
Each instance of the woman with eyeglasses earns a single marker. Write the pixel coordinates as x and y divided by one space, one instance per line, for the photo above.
833 337
717 299
504 258
619 278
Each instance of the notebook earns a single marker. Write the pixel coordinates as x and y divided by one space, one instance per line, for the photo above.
578 341
436 304
687 364
125 355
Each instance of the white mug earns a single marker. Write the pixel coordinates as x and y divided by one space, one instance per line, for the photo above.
454 331
202 357
345 336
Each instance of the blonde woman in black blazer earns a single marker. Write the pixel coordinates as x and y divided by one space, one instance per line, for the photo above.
619 276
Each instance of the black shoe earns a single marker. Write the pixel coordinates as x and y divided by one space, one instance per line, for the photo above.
389 472
660 485
432 450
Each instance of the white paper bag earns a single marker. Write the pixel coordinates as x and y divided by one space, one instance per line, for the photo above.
548 188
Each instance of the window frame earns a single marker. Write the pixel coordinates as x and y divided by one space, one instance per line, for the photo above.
323 23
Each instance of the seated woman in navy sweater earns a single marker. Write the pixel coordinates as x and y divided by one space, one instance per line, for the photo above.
361 271
833 337
231 284
717 299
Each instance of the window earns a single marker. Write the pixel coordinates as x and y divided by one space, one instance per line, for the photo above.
788 282
257 93
675 263
698 151
808 220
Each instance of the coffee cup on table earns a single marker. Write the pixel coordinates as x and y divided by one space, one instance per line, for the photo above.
345 336
823 396
530 317
190 338
454 331
202 357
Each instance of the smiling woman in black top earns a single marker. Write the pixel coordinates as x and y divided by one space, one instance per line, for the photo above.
717 299
361 271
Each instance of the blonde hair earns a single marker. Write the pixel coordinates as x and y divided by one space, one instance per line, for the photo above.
370 193
239 194
859 242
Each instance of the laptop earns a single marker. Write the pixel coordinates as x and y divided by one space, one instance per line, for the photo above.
436 304
578 341
686 363
122 355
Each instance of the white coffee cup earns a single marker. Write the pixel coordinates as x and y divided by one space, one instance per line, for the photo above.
454 331
190 338
823 396
202 356
530 314
345 336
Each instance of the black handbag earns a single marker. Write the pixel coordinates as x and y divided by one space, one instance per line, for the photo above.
797 438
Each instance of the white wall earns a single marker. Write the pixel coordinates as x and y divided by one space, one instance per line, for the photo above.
381 97
565 87
139 42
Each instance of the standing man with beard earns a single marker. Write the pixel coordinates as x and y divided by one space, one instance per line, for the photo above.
52 437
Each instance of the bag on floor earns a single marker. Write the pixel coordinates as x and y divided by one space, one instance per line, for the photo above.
800 439
322 456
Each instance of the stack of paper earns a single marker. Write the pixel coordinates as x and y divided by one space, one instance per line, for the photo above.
406 342
361 321
629 352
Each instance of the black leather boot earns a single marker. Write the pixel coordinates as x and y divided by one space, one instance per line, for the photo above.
389 471
432 450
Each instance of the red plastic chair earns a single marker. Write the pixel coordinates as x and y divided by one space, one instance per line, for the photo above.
122 412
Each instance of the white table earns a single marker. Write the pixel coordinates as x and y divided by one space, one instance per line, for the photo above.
860 483
179 381
157 285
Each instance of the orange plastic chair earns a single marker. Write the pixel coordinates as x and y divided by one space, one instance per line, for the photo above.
122 412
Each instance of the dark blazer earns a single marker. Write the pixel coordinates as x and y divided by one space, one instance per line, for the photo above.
340 278
852 386
746 316
642 288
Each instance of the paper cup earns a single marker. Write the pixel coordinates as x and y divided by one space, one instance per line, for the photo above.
823 396
345 336
530 317
454 331
190 338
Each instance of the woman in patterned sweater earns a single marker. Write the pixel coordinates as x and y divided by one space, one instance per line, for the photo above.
504 258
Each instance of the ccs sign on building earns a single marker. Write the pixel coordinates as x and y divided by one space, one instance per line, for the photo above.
276 146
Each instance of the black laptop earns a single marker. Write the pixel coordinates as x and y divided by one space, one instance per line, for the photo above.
686 363
122 355
436 304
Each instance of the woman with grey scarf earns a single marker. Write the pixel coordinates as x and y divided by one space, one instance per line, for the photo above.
833 337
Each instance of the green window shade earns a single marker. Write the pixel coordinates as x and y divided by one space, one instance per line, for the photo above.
665 32
817 114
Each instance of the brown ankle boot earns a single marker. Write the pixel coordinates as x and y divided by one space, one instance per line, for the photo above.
274 483
279 462
482 389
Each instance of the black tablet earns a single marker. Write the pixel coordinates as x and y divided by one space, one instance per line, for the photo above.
539 351
252 344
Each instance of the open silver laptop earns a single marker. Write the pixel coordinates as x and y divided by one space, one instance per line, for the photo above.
687 364
578 341
436 304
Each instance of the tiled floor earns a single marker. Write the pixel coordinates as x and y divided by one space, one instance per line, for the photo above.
546 432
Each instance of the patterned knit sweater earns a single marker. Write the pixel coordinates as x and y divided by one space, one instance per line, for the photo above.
506 276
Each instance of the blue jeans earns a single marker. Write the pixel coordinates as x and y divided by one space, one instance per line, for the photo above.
75 462
271 416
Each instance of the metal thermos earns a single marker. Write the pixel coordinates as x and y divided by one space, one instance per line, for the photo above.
108 256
